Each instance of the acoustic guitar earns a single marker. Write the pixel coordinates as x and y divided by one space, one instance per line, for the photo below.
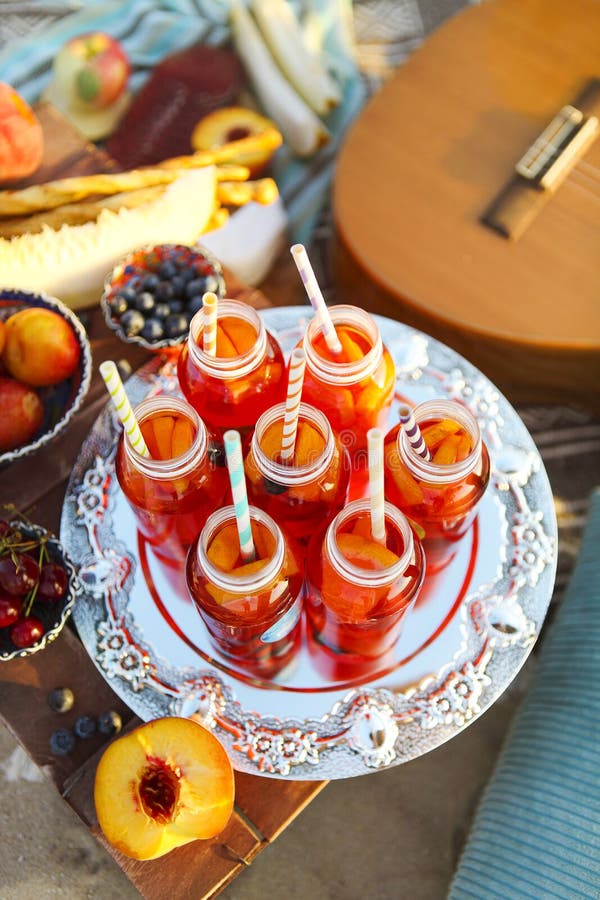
442 222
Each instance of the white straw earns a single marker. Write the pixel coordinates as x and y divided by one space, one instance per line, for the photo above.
123 407
376 495
413 432
235 466
209 332
316 298
292 404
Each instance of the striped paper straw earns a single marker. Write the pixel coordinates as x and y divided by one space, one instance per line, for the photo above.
235 466
413 432
292 404
376 495
123 407
317 301
209 332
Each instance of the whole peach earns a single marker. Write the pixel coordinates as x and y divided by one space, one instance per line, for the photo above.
22 413
2 335
91 70
40 347
21 136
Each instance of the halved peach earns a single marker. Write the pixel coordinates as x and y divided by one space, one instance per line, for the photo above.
234 123
162 785
410 489
434 434
242 334
365 552
225 346
445 454
310 444
350 349
182 437
224 549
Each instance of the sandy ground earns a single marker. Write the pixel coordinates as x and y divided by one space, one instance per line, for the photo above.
387 836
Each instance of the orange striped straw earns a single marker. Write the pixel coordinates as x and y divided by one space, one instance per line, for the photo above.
317 301
292 404
376 494
123 407
413 432
209 331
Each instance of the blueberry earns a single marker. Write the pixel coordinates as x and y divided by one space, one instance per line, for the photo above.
212 283
273 487
196 286
164 291
153 330
162 310
176 306
194 304
61 700
132 322
178 285
145 302
85 727
167 269
109 722
62 741
118 305
150 282
188 274
128 292
176 325
216 454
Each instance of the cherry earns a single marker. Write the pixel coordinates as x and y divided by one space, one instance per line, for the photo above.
18 576
26 632
10 609
53 582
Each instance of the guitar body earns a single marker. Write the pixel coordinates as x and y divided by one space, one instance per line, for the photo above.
426 158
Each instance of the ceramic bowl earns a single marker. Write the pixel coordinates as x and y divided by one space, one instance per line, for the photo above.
60 401
150 296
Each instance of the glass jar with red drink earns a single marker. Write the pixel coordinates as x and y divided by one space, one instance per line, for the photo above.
307 492
173 491
441 495
359 591
252 610
355 388
244 378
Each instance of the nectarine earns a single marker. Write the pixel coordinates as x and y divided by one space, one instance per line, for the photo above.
162 785
22 413
232 123
40 347
21 136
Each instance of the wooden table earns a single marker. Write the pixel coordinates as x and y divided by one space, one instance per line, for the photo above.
263 807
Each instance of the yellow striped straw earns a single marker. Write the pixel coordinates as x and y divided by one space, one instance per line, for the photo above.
292 404
123 407
209 332
317 301
376 495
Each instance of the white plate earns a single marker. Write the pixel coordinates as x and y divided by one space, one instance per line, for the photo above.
462 645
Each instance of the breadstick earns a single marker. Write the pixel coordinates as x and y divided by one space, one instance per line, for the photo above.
238 193
76 213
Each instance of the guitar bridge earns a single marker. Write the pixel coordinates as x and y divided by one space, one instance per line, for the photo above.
557 149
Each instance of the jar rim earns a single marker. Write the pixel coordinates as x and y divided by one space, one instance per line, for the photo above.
344 373
164 469
226 366
371 577
255 581
283 473
427 470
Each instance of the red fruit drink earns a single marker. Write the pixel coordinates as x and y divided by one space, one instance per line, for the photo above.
356 388
173 491
251 610
359 591
245 377
441 495
307 492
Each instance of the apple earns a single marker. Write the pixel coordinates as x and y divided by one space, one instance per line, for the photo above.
22 413
40 347
91 71
21 136
162 785
232 123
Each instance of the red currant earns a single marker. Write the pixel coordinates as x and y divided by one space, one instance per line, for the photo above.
53 582
26 632
20 575
10 609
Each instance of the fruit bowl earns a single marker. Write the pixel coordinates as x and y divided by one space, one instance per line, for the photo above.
61 400
49 590
151 295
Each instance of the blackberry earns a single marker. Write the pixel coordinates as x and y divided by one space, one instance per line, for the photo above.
61 700
62 742
109 722
85 727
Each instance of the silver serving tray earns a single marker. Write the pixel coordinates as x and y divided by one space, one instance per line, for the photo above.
462 644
